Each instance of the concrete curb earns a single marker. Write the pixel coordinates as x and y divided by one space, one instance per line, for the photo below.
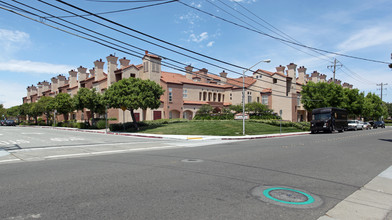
178 137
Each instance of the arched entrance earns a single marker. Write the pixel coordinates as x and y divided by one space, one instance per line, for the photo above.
187 114
174 114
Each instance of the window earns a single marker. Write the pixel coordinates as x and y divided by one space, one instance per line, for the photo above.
155 67
145 66
298 100
133 75
264 99
185 93
170 94
200 96
231 96
274 80
258 99
249 97
258 76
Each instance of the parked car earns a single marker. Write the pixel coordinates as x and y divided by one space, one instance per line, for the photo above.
379 124
2 123
354 125
367 126
10 123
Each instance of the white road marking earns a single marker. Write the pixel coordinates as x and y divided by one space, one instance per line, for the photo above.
67 139
3 153
109 152
14 142
4 161
32 133
75 146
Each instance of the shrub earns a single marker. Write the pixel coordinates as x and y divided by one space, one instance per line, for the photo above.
101 124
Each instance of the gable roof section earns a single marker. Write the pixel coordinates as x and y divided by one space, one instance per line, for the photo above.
270 73
177 78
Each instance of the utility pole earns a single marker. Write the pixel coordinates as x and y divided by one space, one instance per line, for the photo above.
333 67
382 85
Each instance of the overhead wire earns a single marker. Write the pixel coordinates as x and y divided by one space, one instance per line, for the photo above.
148 41
121 10
280 39
135 55
351 73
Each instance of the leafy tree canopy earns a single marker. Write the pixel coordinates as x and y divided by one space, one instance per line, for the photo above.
63 103
322 94
134 93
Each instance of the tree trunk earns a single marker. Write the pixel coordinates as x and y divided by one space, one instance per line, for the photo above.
134 119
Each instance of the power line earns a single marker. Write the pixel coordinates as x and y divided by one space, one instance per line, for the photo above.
135 55
280 39
117 11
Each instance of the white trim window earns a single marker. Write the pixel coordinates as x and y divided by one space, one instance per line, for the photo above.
249 97
264 99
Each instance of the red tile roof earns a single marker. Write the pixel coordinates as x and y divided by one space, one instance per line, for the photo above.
267 90
270 73
126 67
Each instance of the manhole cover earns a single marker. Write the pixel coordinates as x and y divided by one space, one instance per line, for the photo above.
286 196
191 160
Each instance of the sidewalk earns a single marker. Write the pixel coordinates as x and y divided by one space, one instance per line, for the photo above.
180 137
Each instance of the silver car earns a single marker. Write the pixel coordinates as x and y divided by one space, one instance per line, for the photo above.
354 125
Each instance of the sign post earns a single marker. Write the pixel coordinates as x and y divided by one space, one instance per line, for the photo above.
280 112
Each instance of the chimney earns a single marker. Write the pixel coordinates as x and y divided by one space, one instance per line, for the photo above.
99 69
345 85
39 85
323 78
338 82
45 86
280 69
203 75
82 74
350 86
291 71
112 66
124 62
315 76
73 78
61 80
223 76
54 84
28 92
189 73
33 90
92 72
301 74
330 80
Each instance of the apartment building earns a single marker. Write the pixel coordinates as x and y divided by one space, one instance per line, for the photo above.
186 93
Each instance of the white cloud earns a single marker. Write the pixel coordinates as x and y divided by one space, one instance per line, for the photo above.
198 39
210 43
12 41
27 66
11 94
367 37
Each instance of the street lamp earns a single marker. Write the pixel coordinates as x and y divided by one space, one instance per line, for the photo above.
243 93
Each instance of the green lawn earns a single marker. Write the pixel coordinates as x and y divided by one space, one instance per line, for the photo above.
217 128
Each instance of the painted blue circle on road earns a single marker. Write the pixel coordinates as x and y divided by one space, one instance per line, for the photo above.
309 200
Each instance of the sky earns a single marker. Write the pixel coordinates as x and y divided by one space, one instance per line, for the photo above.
238 32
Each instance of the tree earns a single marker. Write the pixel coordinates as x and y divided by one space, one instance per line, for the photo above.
63 104
322 94
257 108
46 105
236 108
353 101
34 111
2 112
14 111
89 99
134 93
389 107
373 107
24 110
205 109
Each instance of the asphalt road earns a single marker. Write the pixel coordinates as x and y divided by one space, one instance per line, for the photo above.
206 182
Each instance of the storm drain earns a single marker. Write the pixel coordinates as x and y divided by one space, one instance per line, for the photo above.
192 160
286 196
